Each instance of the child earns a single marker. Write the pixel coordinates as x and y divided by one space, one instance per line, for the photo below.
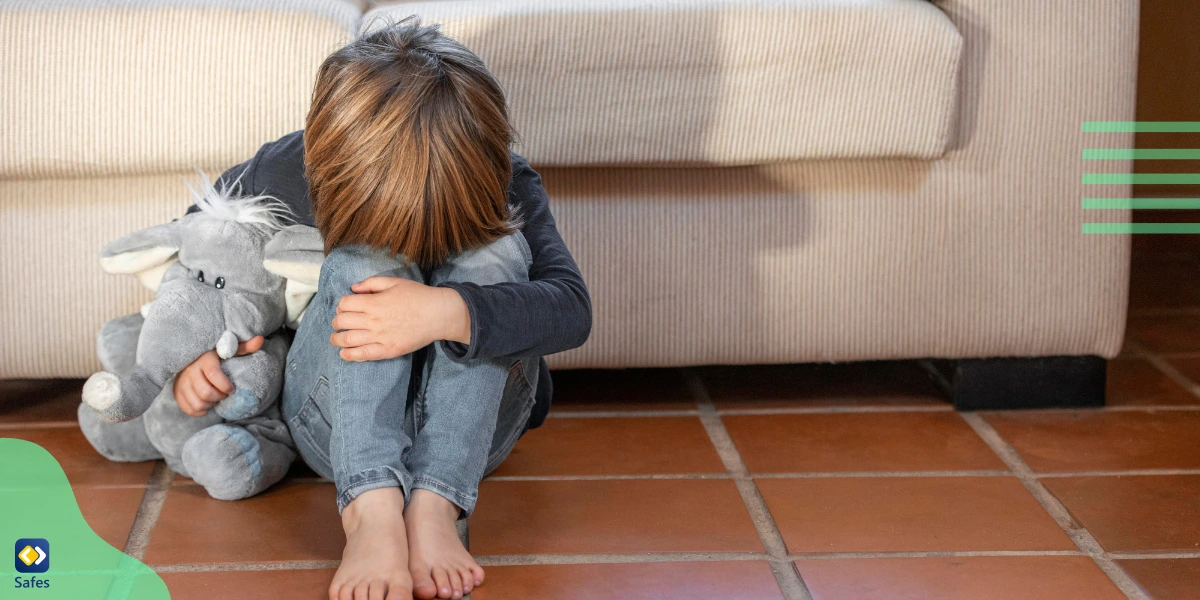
417 364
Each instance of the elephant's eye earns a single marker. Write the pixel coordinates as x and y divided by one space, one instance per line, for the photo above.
220 283
200 276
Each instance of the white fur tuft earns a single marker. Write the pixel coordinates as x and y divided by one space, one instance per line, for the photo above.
101 390
225 203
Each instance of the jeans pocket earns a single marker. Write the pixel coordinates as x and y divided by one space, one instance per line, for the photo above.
311 429
515 406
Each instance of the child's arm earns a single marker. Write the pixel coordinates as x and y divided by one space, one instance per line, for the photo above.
388 317
550 313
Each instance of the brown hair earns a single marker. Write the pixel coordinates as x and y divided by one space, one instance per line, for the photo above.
406 146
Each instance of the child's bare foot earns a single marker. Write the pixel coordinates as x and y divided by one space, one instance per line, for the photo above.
440 566
375 561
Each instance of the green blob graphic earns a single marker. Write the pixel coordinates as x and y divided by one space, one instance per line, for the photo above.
36 501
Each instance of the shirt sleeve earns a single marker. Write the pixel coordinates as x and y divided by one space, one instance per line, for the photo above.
550 313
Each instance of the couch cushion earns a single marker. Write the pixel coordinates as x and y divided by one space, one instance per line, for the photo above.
114 87
721 82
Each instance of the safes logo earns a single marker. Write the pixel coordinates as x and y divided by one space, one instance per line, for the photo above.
32 555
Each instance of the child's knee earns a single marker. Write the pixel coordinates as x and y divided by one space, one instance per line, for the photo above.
348 265
504 260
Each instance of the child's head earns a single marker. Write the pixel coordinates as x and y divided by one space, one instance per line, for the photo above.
406 146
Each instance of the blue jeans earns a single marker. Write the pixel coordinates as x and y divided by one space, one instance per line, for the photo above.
354 422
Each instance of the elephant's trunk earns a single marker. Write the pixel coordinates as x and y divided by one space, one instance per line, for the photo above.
185 320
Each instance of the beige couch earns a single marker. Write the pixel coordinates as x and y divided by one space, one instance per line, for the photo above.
741 181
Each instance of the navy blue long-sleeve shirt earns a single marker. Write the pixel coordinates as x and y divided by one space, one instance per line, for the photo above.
550 313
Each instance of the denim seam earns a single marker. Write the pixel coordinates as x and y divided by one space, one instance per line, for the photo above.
368 483
463 501
299 432
303 417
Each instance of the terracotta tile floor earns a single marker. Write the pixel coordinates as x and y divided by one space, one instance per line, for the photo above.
779 482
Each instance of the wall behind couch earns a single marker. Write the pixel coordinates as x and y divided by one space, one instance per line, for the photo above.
1168 90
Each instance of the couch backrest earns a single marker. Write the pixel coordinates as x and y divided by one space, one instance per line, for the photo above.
720 82
120 87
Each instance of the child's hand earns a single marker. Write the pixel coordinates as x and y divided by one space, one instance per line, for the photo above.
202 384
387 317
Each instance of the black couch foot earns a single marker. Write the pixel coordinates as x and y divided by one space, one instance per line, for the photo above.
1008 383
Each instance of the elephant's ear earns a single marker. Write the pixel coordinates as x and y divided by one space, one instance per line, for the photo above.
146 253
296 254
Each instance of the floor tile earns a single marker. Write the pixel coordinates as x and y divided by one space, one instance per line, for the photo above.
588 517
1164 282
1136 382
39 400
734 580
1169 333
1189 367
620 389
110 511
1147 512
923 441
897 514
82 464
236 585
1165 579
296 521
958 578
614 446
851 384
1093 440
297 471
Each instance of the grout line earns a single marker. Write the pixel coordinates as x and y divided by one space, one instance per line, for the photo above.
833 410
812 475
148 511
39 425
1165 367
288 480
107 486
786 575
837 410
504 560
791 583
617 414
605 477
1057 510
295 565
1127 473
507 560
1151 555
815 475
933 554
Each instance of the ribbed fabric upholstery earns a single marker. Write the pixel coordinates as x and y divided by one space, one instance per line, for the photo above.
976 254
92 91
55 297
716 82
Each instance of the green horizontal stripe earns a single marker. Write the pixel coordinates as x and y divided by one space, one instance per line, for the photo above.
1141 126
1140 203
1147 154
1141 178
1141 227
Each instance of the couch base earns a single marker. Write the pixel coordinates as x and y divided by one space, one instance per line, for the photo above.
1011 383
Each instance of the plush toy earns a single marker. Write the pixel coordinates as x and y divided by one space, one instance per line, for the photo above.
224 274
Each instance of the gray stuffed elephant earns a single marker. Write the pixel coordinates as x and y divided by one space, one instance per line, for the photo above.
224 274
